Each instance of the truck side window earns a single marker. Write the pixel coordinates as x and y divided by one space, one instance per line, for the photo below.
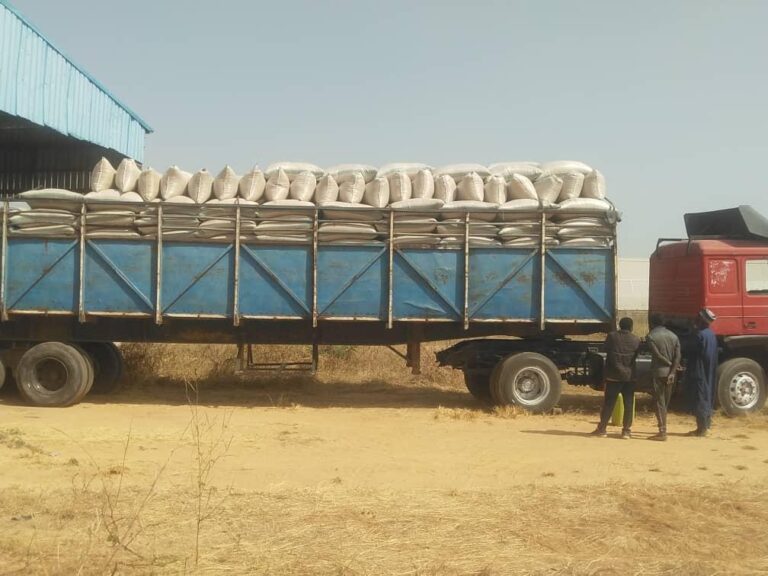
757 276
723 278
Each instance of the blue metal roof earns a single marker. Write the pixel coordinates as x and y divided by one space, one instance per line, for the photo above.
38 82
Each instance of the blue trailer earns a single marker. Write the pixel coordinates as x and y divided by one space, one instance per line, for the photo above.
64 300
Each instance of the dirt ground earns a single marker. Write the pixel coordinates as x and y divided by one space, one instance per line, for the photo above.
367 471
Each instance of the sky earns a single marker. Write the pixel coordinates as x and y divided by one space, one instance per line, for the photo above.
669 99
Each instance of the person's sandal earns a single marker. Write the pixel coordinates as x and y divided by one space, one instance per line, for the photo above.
599 433
660 437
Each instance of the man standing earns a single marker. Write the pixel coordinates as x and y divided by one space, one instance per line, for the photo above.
621 347
664 346
700 372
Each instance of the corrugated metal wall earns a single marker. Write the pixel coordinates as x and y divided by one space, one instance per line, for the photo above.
38 83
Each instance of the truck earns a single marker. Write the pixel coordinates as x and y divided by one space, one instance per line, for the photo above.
524 313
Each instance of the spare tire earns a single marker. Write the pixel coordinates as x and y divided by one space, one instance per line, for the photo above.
528 380
53 374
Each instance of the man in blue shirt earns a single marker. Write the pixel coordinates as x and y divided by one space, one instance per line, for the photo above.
701 372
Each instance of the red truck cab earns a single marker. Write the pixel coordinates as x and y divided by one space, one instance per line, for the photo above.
723 266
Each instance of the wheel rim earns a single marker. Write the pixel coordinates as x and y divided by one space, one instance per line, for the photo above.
51 375
531 386
744 390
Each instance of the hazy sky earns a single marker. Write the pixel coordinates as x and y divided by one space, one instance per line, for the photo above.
669 99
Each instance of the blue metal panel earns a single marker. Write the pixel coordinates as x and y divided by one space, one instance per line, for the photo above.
504 284
38 82
120 276
276 281
352 282
197 278
42 275
428 284
579 284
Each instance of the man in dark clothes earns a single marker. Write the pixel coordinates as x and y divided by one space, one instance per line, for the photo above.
664 346
701 372
621 347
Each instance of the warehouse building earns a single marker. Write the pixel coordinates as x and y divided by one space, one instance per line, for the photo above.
56 120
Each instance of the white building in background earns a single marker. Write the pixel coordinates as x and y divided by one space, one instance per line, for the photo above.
633 283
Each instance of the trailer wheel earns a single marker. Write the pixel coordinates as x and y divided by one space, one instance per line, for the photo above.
107 364
53 374
740 386
528 380
479 385
3 373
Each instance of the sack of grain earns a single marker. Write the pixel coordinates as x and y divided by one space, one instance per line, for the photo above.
226 184
200 186
594 185
408 168
445 188
293 169
495 189
459 171
377 193
572 184
400 187
303 187
471 188
149 184
53 198
343 172
350 211
102 176
352 189
521 188
478 211
252 185
565 166
127 175
423 184
278 186
530 170
548 187
327 190
174 183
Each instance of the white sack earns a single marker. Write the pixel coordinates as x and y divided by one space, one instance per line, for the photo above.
292 169
278 186
423 184
112 218
594 185
149 184
45 230
548 187
37 218
572 184
200 186
114 233
377 193
327 190
174 183
102 176
530 170
399 187
445 188
252 185
127 175
409 226
352 189
226 184
459 171
337 232
584 243
303 187
53 198
474 241
408 168
495 190
343 172
350 211
471 188
288 209
581 205
520 187
565 166
479 211
456 226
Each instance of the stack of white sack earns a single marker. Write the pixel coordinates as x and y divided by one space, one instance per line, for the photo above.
48 212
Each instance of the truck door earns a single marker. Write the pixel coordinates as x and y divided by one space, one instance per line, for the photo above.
723 294
755 296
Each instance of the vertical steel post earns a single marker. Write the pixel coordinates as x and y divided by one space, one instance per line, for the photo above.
315 224
4 265
81 271
615 278
159 268
390 271
236 296
466 270
543 264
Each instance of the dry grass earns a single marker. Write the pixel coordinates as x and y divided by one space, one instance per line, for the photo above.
537 529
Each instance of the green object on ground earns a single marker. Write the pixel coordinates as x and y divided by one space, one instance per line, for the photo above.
617 418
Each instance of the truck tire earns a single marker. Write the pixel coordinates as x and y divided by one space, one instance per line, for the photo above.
3 374
740 386
528 380
479 385
91 369
107 364
53 374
